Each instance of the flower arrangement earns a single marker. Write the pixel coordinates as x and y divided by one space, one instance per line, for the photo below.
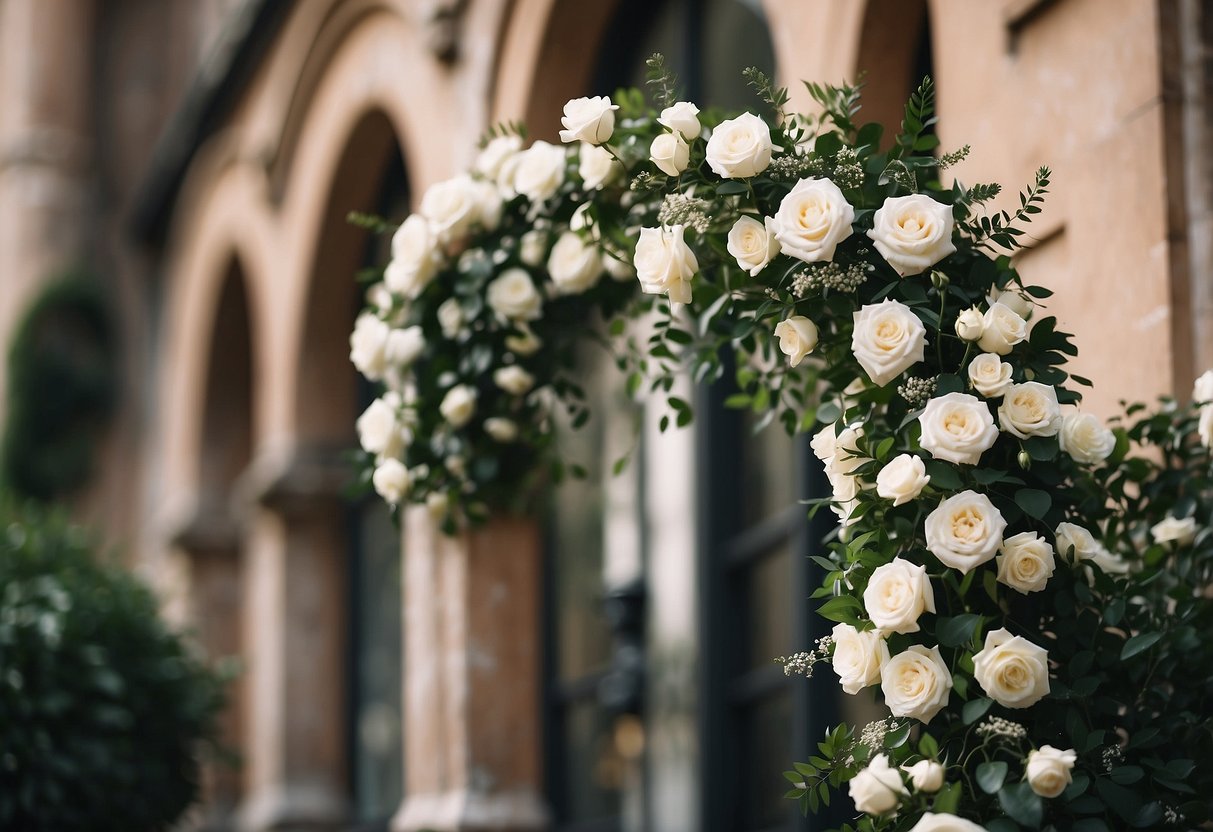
1030 601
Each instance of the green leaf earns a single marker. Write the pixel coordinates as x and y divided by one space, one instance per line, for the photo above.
1034 503
957 630
1139 644
975 709
990 776
733 186
944 475
1021 803
948 799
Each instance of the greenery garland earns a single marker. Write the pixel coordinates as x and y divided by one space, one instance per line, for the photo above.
1029 600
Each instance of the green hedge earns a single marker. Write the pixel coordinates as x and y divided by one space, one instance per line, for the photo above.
103 710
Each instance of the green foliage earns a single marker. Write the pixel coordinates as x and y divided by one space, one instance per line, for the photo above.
62 384
103 711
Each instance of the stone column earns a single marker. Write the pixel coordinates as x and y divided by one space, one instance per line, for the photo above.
472 696
296 639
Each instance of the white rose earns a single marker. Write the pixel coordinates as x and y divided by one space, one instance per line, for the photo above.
902 479
457 465
753 243
573 265
1076 540
437 502
1202 389
1030 409
1025 562
379 429
1050 770
597 167
495 153
501 429
513 379
846 456
957 427
965 530
1085 438
915 683
391 480
797 338
378 296
824 442
368 346
943 822
539 172
897 595
1012 671
878 788
812 220
925 775
1204 426
665 263
990 375
887 340
856 657
970 324
1002 329
682 117
1174 530
404 346
591 120
458 405
450 317
490 205
670 153
415 257
527 343
740 147
452 207
912 232
1110 563
618 268
1018 301
513 295
533 247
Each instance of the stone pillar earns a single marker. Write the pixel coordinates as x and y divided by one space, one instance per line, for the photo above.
296 638
472 695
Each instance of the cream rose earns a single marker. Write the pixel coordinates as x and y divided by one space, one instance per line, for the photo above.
513 379
970 324
887 340
458 405
943 822
513 295
990 375
1002 328
902 479
1030 409
452 207
897 595
1202 388
1012 671
525 343
740 147
573 265
670 153
379 429
404 346
533 247
1049 770
957 427
501 429
391 480
665 264
1173 530
856 657
597 167
368 346
965 530
682 117
1019 302
916 683
912 232
925 776
1204 426
1025 562
539 172
1075 541
797 338
1085 438
878 788
450 317
591 120
494 154
812 220
415 258
753 243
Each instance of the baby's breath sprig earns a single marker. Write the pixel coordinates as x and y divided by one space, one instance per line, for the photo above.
917 391
681 209
802 663
836 276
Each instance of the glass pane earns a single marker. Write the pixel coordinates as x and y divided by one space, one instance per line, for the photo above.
769 608
377 743
768 471
593 769
735 37
766 743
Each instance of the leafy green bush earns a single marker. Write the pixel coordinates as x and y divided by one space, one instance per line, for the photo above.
103 710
